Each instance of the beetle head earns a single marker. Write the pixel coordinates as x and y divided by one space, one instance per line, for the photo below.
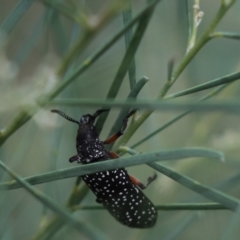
85 119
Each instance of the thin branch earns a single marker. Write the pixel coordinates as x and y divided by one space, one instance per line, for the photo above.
235 36
28 111
168 207
126 62
206 36
208 192
197 18
230 106
127 17
209 95
51 204
166 155
210 84
14 17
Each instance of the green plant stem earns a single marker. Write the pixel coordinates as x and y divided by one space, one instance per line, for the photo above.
44 199
209 193
189 20
127 17
193 35
181 227
168 207
54 224
14 17
172 154
49 229
213 83
77 195
90 60
134 125
28 43
67 11
209 95
235 36
230 106
124 111
89 33
24 115
170 67
28 111
187 58
126 62
206 36
79 47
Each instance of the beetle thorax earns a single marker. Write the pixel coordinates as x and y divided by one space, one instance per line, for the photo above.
89 147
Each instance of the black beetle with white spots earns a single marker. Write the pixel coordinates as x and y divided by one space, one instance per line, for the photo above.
119 192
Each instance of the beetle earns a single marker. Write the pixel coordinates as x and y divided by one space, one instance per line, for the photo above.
119 192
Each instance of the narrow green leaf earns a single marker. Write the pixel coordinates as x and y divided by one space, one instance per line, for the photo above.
15 16
232 227
63 8
161 129
225 184
59 34
177 230
54 206
124 111
32 39
203 39
50 231
24 115
189 19
210 193
231 106
90 60
127 17
117 163
126 62
235 36
213 83
169 207
170 67
209 95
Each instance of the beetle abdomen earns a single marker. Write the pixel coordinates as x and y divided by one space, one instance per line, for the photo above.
122 198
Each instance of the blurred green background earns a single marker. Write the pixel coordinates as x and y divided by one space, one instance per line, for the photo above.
30 53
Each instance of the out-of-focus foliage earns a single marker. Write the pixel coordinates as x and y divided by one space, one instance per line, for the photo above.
76 50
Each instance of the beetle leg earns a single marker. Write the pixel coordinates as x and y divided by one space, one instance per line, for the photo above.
113 155
115 136
139 184
98 200
151 179
99 111
74 158
134 180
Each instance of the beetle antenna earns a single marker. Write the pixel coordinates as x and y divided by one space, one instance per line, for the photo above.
65 116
